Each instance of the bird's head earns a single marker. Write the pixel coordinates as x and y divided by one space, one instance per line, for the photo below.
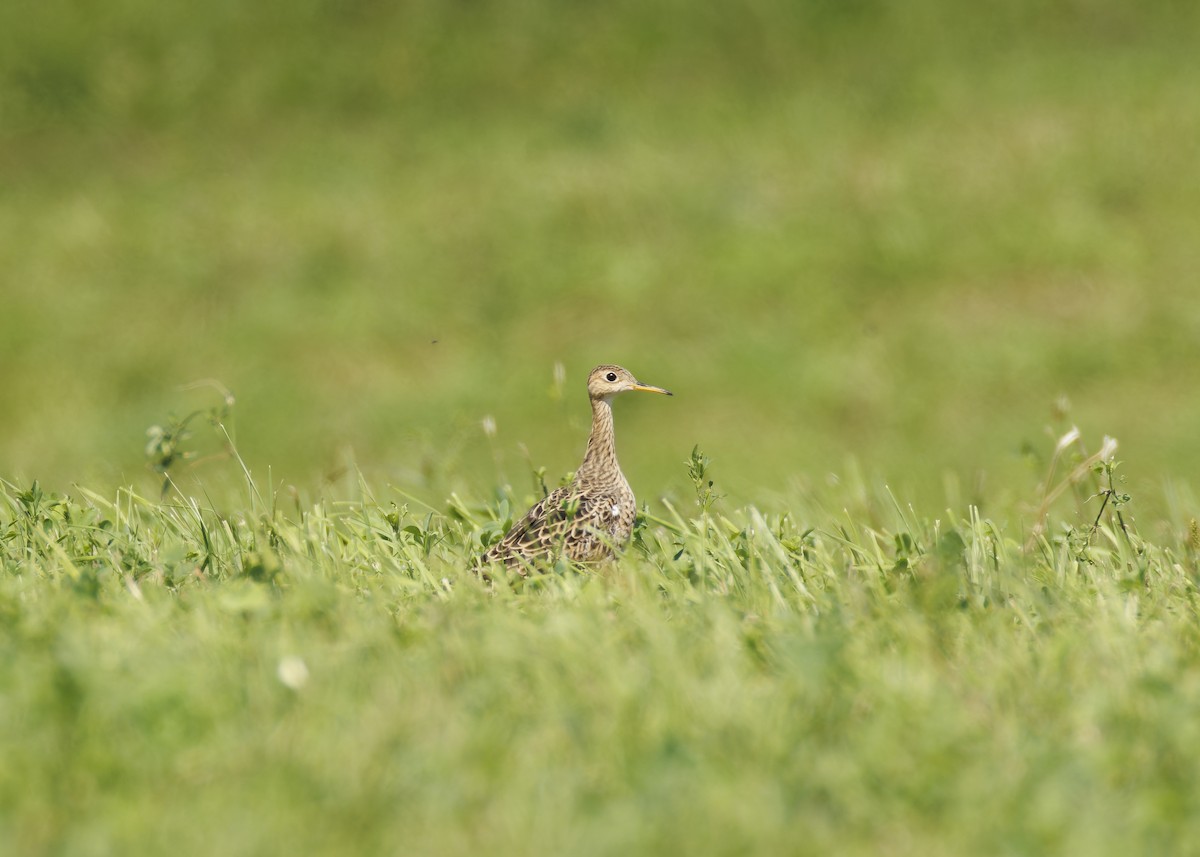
606 381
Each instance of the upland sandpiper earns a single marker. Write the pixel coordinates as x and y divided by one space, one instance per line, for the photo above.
584 520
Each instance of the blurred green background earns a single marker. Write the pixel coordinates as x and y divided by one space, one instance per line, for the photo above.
895 232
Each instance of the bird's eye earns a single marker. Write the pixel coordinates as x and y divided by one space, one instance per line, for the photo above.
611 376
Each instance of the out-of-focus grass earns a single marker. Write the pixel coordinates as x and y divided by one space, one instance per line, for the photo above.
893 231
890 233
328 678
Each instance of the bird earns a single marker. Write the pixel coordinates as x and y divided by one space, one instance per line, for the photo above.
586 519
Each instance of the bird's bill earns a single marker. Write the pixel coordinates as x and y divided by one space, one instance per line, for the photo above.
646 388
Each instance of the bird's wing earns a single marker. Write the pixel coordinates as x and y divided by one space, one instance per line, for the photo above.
537 533
562 515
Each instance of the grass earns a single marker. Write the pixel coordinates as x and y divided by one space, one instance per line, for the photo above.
842 674
335 240
899 231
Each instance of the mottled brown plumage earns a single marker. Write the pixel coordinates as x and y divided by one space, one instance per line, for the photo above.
585 520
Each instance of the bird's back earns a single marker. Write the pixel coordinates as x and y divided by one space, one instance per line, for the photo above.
582 521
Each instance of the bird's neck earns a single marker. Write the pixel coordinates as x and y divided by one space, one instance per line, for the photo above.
601 456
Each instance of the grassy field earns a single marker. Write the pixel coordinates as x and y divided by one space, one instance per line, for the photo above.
885 254
898 232
330 679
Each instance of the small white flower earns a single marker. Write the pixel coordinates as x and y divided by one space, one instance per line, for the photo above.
1108 448
1067 439
292 672
489 426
